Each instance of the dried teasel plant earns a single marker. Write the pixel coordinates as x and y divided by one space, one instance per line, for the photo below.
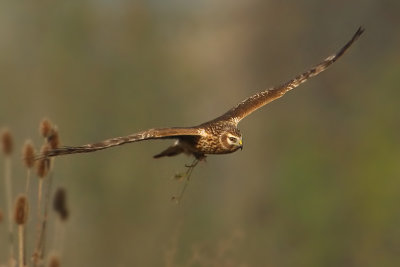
17 215
6 142
45 173
28 157
54 139
20 218
45 128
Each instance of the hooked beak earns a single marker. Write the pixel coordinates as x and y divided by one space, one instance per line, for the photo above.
241 144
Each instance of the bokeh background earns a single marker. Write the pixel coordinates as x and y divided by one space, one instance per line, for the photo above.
318 180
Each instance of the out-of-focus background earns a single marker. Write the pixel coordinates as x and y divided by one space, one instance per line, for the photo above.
318 180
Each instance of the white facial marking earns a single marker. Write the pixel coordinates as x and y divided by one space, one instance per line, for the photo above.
234 140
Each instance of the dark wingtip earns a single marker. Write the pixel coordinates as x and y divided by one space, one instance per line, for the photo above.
358 33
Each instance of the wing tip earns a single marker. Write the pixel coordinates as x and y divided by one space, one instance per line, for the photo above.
358 33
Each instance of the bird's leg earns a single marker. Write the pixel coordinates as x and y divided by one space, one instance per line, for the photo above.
186 175
192 165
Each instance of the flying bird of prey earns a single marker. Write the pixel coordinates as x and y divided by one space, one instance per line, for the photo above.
218 136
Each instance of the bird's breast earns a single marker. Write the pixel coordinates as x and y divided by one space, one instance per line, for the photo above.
210 145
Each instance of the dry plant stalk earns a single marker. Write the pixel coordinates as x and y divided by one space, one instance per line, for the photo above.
20 218
45 169
7 148
42 169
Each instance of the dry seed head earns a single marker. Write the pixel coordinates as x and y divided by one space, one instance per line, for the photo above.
54 261
28 154
6 142
42 167
44 163
53 138
60 203
21 210
45 128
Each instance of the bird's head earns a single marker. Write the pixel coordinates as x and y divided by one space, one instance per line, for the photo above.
232 140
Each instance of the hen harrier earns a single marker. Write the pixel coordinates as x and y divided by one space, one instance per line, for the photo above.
218 136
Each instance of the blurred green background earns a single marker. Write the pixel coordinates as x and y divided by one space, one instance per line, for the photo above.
317 183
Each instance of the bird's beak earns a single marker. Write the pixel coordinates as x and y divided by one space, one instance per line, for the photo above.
241 144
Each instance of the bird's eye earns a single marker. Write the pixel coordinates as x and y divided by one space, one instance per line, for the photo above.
232 139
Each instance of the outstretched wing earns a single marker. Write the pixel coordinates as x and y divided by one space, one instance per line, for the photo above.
117 141
258 100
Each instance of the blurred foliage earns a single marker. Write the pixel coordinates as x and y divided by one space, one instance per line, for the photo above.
317 183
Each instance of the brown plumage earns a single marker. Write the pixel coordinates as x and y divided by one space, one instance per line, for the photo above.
218 136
